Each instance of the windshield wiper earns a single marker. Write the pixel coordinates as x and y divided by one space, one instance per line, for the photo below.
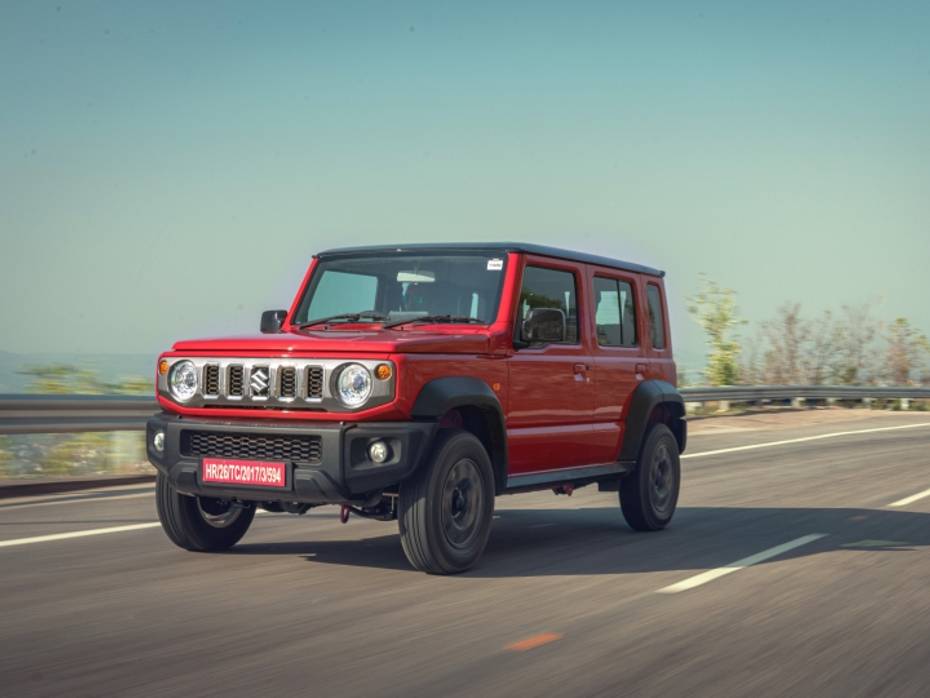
372 315
450 319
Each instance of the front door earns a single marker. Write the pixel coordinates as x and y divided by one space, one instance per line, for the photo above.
552 392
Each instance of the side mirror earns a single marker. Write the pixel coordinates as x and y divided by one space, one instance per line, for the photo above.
543 325
272 321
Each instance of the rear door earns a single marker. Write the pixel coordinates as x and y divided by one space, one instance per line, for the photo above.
618 352
552 395
661 365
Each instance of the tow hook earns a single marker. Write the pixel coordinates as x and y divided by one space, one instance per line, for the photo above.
564 489
344 513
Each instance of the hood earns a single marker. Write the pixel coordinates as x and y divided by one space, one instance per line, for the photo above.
377 341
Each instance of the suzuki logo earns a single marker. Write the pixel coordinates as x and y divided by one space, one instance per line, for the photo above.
259 382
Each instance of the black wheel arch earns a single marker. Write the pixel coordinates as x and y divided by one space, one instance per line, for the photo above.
653 401
480 412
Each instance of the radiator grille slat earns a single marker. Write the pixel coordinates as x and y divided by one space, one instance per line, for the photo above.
314 382
288 382
289 448
234 381
211 380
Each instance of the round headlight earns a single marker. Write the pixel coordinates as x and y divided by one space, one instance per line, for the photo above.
182 381
353 385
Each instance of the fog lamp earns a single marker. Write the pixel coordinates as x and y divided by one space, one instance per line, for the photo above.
158 441
379 452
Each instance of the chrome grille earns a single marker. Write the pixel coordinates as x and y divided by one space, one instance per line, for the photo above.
287 382
314 382
211 380
289 448
290 383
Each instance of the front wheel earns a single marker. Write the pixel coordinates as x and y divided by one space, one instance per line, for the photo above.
445 508
649 495
201 524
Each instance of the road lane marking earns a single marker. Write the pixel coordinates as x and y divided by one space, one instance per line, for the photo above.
803 439
533 642
710 575
910 500
105 498
872 543
77 534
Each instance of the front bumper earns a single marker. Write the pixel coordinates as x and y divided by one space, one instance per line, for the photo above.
339 470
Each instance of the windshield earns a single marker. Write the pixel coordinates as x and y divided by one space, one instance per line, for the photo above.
395 287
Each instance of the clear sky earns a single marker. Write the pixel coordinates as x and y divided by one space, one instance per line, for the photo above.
167 169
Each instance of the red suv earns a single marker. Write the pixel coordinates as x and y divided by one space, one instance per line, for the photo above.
417 383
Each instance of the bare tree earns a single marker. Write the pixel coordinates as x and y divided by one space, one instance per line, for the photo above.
786 337
818 352
750 372
908 350
853 341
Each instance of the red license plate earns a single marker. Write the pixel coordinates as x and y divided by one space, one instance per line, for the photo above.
253 473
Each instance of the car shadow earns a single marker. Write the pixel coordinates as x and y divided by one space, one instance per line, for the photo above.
595 540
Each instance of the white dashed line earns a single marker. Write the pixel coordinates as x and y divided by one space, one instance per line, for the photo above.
802 439
910 500
710 575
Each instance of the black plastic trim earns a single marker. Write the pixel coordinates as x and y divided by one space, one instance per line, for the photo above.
441 395
585 474
648 395
343 474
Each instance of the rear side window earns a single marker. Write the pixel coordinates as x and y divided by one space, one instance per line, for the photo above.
615 314
551 288
656 317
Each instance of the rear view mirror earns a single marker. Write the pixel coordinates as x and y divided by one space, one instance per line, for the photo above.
544 325
272 321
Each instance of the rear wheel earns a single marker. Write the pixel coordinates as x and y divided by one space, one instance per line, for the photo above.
445 508
649 495
200 524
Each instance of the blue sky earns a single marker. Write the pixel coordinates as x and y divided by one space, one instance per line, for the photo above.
167 169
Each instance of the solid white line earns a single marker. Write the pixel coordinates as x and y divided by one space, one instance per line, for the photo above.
802 439
89 532
710 575
104 498
77 534
910 500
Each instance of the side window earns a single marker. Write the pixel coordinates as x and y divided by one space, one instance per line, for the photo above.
339 290
656 318
551 288
615 314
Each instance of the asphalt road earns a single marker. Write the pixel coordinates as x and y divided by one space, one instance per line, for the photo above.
795 569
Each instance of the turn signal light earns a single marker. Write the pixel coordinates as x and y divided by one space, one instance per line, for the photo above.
383 372
163 367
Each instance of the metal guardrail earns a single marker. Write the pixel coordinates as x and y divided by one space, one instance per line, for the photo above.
51 414
54 414
774 393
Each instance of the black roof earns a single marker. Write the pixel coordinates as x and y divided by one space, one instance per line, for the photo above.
542 250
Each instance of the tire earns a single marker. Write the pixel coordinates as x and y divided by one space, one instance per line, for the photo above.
200 524
445 508
649 495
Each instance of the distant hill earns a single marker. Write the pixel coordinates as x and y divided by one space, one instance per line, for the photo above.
111 367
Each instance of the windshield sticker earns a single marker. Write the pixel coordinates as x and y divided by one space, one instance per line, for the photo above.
495 264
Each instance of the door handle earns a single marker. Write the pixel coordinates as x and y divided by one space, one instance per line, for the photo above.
640 368
580 368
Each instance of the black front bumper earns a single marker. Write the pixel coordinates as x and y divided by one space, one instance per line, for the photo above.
339 470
